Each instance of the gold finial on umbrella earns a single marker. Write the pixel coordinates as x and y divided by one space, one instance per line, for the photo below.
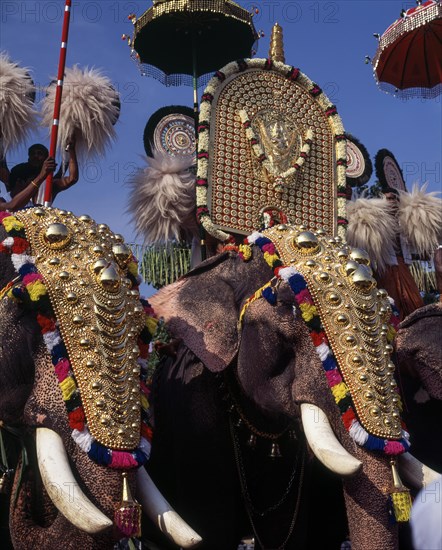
276 50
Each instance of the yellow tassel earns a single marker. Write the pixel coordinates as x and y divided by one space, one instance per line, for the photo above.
339 391
67 387
400 496
391 334
144 402
151 325
11 222
308 311
246 251
36 290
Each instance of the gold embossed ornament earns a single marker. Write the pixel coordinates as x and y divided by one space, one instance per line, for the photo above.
270 146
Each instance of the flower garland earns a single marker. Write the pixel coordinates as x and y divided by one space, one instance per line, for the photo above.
335 381
278 183
32 293
292 74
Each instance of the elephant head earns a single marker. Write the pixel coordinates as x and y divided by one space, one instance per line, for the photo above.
253 326
69 378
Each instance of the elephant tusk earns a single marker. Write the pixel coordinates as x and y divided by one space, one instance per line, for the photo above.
415 473
63 488
162 514
324 444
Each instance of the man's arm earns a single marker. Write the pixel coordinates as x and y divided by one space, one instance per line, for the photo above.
4 171
22 198
65 182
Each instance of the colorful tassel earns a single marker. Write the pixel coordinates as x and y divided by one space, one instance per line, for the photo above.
400 497
128 514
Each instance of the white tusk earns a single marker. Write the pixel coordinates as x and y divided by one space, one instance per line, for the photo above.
415 473
325 444
162 514
62 487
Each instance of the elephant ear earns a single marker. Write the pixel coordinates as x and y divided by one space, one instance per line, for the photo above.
203 307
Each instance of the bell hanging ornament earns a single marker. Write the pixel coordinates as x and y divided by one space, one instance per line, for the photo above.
251 442
275 451
4 484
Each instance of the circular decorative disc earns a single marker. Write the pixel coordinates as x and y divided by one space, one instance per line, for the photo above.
388 171
359 166
393 174
175 135
355 161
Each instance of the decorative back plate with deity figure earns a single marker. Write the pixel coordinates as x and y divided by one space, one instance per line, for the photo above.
271 149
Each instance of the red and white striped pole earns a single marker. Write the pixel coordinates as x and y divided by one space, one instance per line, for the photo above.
58 93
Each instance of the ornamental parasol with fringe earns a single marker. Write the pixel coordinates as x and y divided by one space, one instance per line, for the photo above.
408 61
179 41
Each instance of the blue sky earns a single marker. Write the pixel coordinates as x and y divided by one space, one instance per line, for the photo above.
327 40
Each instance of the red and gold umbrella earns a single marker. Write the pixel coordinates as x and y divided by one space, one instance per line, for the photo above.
408 61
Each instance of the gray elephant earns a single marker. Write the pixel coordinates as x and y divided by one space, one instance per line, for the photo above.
69 382
244 382
419 354
419 359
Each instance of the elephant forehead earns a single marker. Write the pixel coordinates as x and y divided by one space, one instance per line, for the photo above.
354 315
83 266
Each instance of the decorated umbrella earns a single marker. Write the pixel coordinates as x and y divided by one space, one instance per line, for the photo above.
408 61
179 41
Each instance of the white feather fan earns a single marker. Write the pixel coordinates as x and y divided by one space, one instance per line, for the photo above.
17 93
90 107
372 227
162 198
420 219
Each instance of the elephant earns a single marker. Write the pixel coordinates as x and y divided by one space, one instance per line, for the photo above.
53 261
242 380
419 358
